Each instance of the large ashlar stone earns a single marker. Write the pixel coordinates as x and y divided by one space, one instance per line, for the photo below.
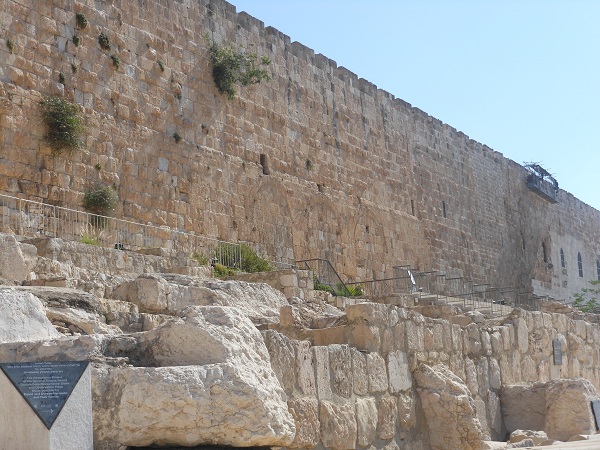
399 372
406 411
305 412
16 259
340 363
322 374
561 408
377 373
449 409
359 372
568 409
170 293
338 425
387 416
283 359
23 318
306 368
221 388
366 420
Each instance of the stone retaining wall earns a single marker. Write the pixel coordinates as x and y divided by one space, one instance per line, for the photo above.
360 388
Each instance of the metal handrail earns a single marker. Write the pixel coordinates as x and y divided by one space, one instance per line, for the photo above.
326 275
35 219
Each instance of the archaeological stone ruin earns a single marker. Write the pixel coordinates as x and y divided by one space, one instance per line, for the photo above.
307 262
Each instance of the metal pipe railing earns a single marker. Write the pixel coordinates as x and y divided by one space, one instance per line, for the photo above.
35 219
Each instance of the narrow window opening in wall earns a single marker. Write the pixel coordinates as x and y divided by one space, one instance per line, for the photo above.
412 207
367 228
544 252
264 162
562 259
580 264
598 269
444 208
523 242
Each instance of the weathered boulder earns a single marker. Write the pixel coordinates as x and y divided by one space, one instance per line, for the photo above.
23 318
305 412
220 389
170 293
561 407
520 435
568 409
16 259
449 409
366 420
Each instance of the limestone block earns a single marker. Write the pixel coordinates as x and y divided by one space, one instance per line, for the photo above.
305 368
400 335
415 337
224 403
474 340
471 376
481 414
387 417
283 358
376 373
486 345
523 406
364 337
568 408
368 313
528 369
526 443
406 411
149 292
23 318
495 377
449 409
461 320
483 376
522 335
520 435
507 332
305 412
366 420
496 342
457 342
321 363
399 373
338 425
359 372
88 322
340 364
494 414
16 259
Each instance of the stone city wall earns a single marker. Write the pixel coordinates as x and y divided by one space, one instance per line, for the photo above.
315 163
362 387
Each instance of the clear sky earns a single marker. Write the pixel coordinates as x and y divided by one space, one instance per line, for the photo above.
521 76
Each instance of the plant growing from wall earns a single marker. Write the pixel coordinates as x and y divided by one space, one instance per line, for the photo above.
100 201
76 40
177 137
81 21
103 41
64 124
61 78
10 44
74 68
116 61
588 299
231 67
199 258
250 262
161 65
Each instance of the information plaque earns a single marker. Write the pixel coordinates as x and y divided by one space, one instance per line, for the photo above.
45 386
596 410
557 348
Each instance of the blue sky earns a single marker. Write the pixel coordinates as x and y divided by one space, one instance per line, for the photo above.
521 76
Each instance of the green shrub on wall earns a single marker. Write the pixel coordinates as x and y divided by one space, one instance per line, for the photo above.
100 201
64 123
231 67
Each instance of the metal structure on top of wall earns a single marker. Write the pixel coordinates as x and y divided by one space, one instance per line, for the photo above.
540 181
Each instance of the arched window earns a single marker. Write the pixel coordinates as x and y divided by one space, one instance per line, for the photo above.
562 258
580 264
544 252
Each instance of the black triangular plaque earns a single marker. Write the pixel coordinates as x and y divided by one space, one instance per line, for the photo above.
45 386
